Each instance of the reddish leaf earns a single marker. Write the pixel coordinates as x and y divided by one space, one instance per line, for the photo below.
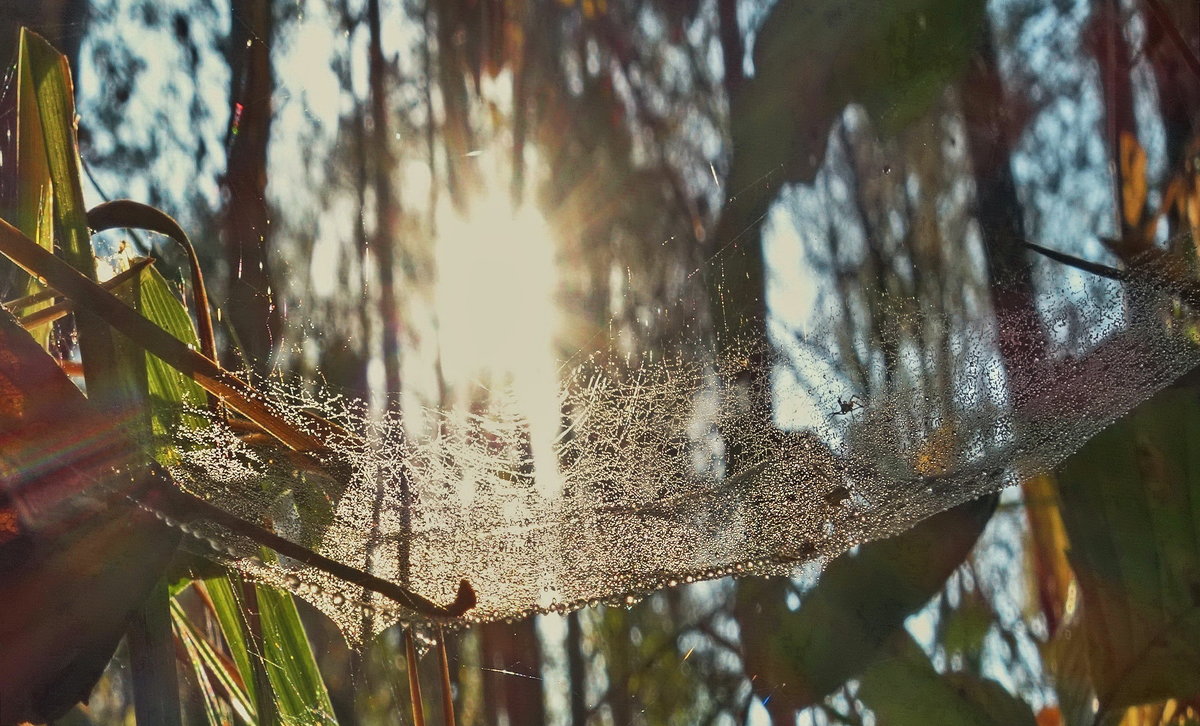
77 556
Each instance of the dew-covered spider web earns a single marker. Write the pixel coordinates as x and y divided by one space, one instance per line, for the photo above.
921 391
672 470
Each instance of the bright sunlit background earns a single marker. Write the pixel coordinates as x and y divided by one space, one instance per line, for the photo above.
497 316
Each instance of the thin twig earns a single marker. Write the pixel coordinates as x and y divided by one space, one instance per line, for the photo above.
414 679
1094 268
1145 274
61 308
447 695
188 506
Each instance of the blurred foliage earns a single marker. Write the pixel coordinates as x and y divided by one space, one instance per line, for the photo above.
1128 503
860 603
903 687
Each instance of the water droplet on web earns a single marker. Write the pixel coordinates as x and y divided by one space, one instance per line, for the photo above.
648 498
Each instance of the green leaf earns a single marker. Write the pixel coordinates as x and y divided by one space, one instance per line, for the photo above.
152 660
299 689
859 602
917 50
170 392
895 57
227 607
1066 659
963 630
86 554
1131 505
35 201
205 661
212 704
50 77
299 692
160 305
903 689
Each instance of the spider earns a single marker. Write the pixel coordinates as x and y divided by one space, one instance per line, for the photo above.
849 406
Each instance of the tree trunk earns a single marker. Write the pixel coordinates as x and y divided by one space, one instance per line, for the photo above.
462 177
1170 24
249 305
1000 217
1110 48
737 290
387 208
576 671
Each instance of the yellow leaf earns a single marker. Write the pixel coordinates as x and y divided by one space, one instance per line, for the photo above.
937 453
1133 180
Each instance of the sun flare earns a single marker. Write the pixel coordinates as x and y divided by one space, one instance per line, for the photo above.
495 291
497 317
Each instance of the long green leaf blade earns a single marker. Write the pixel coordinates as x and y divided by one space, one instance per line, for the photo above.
229 614
299 689
206 660
54 90
35 193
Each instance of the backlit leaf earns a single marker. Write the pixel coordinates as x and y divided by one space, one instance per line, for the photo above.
859 602
1131 504
903 689
54 91
35 200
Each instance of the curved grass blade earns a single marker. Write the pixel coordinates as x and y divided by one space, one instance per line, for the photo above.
126 213
210 664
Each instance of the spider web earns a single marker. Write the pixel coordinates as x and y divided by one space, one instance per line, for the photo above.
672 470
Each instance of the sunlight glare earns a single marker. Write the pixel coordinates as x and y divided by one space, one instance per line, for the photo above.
497 315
